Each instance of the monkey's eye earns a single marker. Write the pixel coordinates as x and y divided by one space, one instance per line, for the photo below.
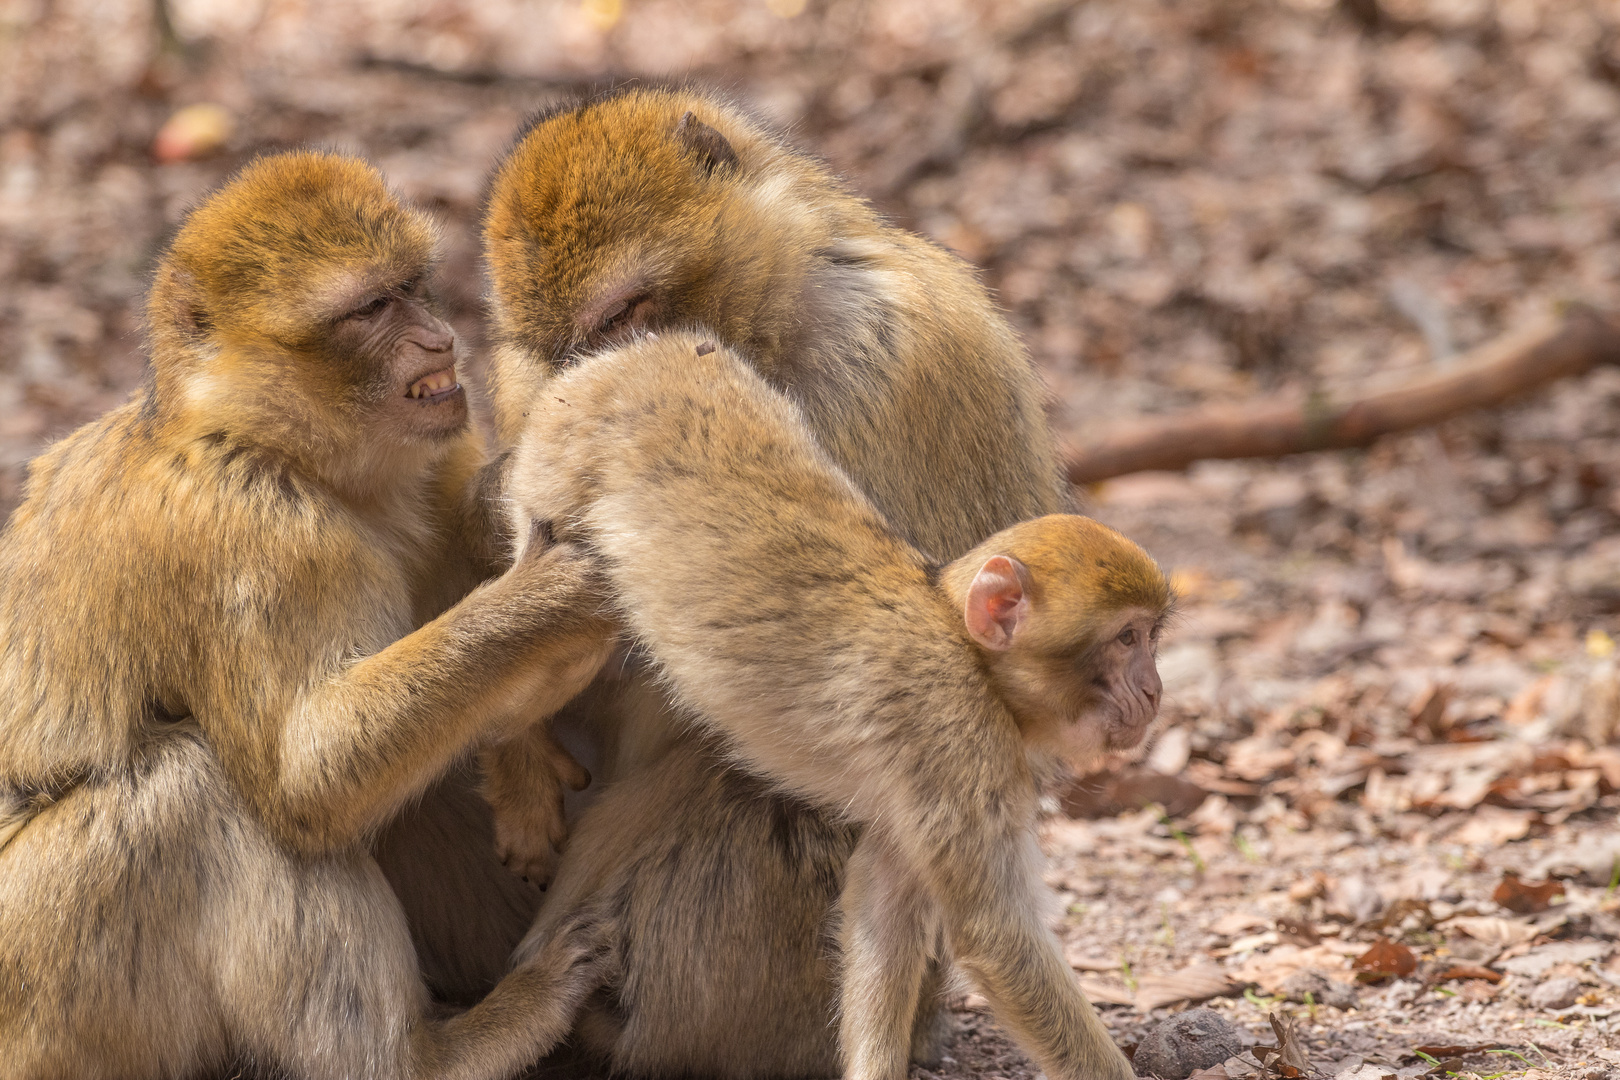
614 317
409 287
1127 637
624 313
367 310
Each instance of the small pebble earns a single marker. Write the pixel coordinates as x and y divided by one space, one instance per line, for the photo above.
1559 993
1321 989
1189 1041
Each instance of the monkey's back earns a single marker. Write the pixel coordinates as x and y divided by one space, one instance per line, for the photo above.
143 577
907 373
772 593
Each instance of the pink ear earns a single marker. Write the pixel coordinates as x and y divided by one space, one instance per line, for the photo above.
997 603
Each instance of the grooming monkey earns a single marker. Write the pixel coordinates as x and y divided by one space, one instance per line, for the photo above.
649 209
844 665
653 208
231 649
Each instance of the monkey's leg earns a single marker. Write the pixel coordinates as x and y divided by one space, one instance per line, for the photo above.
989 896
319 977
885 935
102 895
524 1018
466 911
933 1024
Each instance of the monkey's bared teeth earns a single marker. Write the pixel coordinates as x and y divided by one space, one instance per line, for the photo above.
433 384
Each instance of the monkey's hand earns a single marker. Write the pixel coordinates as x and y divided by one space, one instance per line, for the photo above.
561 967
523 781
580 953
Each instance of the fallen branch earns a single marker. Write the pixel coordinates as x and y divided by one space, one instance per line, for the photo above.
1492 374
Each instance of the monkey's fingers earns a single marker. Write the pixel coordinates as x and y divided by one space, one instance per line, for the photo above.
567 768
529 836
537 866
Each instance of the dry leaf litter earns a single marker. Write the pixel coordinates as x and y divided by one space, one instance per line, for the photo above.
1378 833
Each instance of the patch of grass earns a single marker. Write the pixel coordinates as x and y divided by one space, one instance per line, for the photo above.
1514 1053
1185 841
1264 1004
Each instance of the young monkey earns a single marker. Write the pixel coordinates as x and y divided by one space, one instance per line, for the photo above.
841 664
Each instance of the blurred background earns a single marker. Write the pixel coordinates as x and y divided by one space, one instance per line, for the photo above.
1405 649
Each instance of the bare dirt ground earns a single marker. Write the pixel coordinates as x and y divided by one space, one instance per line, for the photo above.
1395 680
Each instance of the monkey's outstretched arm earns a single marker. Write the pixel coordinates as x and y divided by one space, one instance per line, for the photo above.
355 747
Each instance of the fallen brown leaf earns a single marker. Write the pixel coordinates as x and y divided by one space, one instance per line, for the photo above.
1288 1058
1467 971
1476 990
1092 963
1454 1050
1200 982
1493 929
1383 960
1108 794
1523 896
1297 932
1106 992
1491 826
1428 718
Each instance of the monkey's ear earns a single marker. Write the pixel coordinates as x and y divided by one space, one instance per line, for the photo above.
997 603
708 144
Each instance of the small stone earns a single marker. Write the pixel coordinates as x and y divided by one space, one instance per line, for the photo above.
1559 993
1321 989
1189 1041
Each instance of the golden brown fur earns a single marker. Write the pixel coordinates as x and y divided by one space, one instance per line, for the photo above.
651 209
612 217
844 665
231 649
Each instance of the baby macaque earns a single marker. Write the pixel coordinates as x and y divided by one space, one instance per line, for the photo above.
842 665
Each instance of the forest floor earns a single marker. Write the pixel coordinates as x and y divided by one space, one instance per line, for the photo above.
1392 701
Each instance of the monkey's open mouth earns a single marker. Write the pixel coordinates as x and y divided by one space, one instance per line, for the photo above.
434 385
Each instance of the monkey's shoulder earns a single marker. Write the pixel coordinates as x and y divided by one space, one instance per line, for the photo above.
124 530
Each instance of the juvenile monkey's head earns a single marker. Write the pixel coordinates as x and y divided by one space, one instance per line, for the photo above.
1067 613
293 307
644 210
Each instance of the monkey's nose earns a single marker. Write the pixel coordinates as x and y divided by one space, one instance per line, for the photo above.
435 340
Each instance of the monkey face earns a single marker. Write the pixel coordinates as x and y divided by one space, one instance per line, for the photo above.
1071 629
400 358
1080 703
642 210
293 305
1122 675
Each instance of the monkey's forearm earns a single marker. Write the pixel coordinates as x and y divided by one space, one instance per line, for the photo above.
989 906
368 739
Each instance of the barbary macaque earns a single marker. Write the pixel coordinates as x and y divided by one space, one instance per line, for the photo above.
650 208
854 673
234 644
